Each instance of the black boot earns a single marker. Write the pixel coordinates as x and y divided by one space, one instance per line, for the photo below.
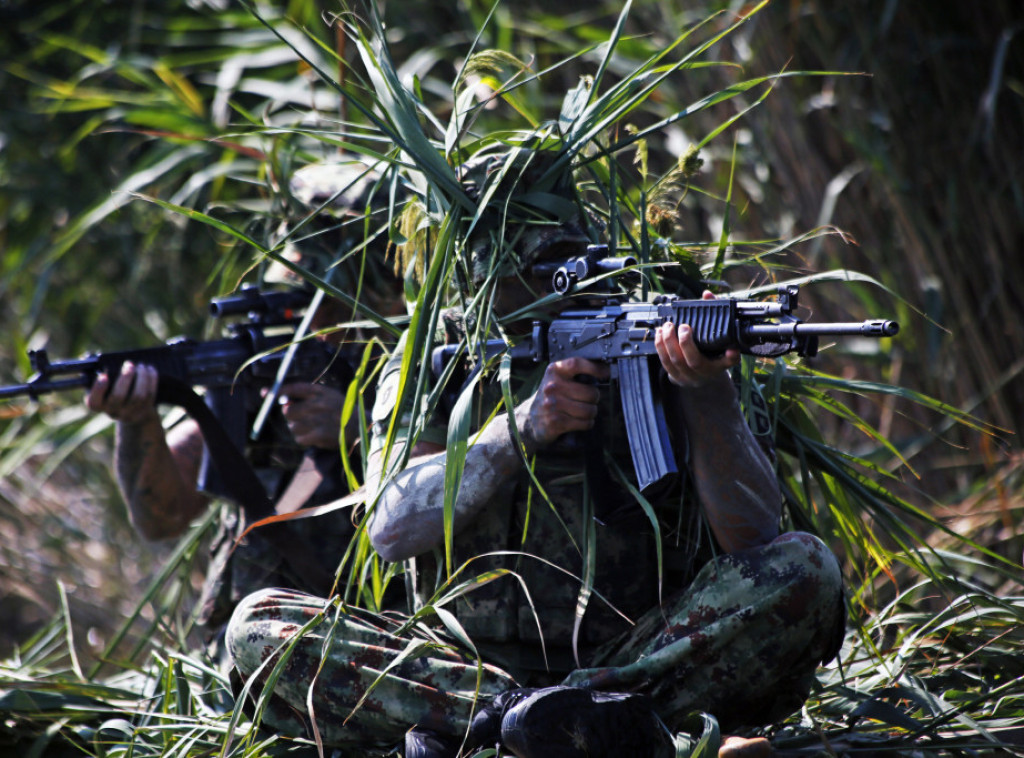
572 722
485 731
424 743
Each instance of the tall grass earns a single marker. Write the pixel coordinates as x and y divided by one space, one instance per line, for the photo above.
929 667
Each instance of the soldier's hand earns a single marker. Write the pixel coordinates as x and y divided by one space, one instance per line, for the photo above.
313 413
561 404
686 365
130 398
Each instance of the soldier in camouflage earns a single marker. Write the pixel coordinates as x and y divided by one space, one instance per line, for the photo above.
600 619
296 458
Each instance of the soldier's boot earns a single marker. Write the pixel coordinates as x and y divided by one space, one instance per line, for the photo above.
572 722
485 730
424 743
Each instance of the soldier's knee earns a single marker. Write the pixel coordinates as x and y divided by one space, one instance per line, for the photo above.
809 557
820 584
249 629
250 609
811 572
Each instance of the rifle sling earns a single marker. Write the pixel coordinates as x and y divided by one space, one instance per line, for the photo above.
243 485
305 481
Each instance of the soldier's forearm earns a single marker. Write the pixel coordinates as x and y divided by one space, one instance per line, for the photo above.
409 516
160 500
734 478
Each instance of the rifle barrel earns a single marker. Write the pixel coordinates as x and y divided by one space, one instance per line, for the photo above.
870 328
33 389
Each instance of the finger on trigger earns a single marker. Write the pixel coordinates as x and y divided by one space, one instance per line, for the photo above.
569 368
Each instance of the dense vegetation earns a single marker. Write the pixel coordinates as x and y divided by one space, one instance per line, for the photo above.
145 158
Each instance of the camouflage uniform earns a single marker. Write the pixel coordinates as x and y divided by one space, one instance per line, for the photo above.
736 635
236 571
340 192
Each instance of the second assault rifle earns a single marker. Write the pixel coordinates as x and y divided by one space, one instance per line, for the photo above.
622 334
230 369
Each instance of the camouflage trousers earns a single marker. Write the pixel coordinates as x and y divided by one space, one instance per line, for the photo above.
741 642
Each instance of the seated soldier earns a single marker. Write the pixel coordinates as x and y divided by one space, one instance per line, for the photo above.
296 458
587 640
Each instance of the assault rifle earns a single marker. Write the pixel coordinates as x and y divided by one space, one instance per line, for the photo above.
232 370
622 334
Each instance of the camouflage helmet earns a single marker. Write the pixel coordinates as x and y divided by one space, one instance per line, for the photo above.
527 211
342 194
341 188
532 213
